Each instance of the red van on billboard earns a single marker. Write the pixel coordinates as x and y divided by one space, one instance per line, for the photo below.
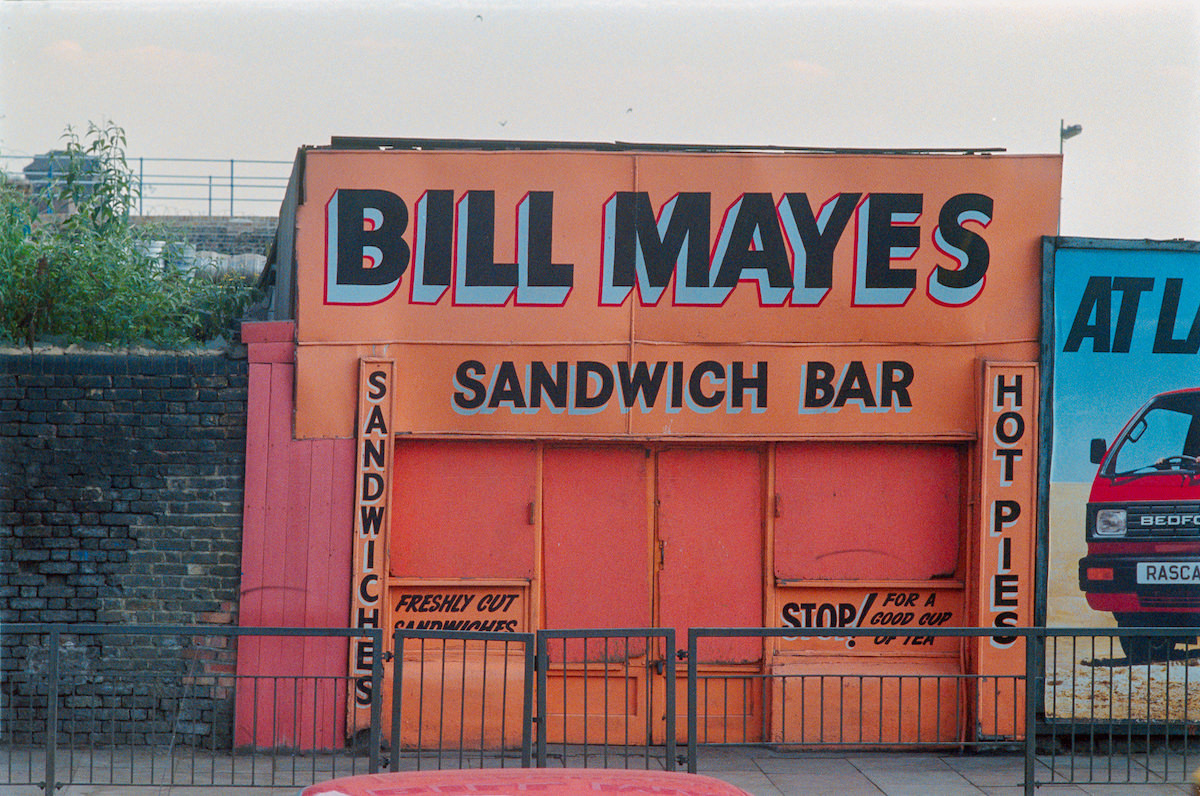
1143 525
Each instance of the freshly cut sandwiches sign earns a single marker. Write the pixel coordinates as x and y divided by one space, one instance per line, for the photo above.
605 293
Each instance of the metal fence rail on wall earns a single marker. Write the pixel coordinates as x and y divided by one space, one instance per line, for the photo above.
464 698
166 706
184 186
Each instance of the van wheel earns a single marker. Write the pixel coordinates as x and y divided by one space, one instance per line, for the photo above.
1147 649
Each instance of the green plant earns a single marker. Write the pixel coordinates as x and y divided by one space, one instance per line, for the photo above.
73 266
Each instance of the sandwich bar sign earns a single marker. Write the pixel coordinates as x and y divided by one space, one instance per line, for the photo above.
638 294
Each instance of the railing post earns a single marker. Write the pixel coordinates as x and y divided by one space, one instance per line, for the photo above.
527 704
141 186
210 195
669 654
691 698
398 697
541 665
376 696
1031 681
52 710
231 187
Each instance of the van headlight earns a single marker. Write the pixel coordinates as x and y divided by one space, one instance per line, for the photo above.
1110 522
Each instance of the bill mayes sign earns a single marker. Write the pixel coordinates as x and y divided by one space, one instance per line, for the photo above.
629 294
780 245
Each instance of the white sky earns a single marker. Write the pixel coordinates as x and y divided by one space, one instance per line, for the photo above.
258 79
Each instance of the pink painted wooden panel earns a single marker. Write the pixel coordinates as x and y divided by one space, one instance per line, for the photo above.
254 544
710 522
873 511
295 573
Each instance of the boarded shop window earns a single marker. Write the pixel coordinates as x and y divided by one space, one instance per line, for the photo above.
462 510
710 526
596 537
867 511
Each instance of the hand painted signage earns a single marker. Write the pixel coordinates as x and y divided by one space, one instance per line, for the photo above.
715 294
476 607
780 245
371 526
587 387
810 609
1008 448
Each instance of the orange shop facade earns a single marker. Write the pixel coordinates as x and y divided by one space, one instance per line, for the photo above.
528 388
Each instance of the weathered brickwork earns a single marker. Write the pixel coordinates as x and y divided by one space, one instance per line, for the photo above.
121 503
228 235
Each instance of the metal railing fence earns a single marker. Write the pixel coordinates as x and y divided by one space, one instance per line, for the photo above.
432 667
1099 709
131 705
114 705
186 186
1119 706
594 671
864 709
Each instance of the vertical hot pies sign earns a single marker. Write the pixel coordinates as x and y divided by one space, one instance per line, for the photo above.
373 472
1008 449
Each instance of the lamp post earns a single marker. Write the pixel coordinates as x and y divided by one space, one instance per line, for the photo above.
1065 132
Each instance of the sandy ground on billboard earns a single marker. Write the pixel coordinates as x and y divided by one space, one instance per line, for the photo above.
1090 678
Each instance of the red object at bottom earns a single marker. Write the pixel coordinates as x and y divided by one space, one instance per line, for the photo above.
562 782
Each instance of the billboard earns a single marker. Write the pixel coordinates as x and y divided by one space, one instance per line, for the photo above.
625 294
1123 340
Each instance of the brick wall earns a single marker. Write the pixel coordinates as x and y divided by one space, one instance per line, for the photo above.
227 235
121 503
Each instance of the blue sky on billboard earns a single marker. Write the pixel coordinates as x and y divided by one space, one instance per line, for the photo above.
1097 391
257 79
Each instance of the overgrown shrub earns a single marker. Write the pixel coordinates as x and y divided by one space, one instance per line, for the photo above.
73 267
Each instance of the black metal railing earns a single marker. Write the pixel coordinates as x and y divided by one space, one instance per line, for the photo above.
1119 706
611 685
461 698
121 705
139 705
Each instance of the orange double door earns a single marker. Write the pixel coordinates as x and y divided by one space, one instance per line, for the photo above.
605 536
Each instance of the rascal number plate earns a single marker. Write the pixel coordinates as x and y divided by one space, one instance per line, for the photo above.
1167 572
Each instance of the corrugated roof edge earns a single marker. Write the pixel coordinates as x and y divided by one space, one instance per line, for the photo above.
381 143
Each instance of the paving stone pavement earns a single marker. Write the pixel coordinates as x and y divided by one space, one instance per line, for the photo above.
766 772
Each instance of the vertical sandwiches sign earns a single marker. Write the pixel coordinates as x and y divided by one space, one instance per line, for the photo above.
373 471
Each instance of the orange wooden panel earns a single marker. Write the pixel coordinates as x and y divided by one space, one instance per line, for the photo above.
463 510
729 705
457 693
596 537
852 511
323 587
253 333
598 703
861 702
710 524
